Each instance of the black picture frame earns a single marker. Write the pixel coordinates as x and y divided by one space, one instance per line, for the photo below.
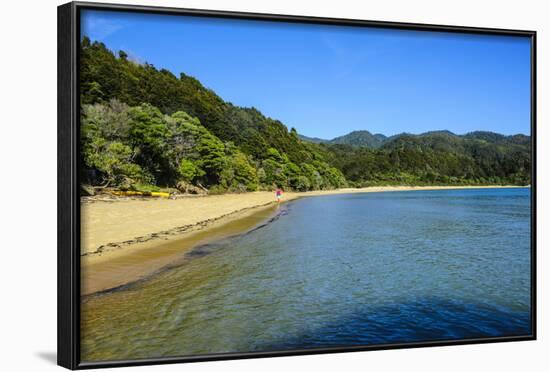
68 337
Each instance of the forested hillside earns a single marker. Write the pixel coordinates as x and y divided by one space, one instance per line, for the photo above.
144 128
362 138
438 158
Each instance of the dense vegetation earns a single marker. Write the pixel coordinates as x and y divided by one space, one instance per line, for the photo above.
361 138
143 128
438 158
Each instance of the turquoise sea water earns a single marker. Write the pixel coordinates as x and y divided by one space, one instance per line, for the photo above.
335 270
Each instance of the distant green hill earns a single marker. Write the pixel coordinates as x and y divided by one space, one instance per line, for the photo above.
438 157
491 137
362 138
145 127
312 139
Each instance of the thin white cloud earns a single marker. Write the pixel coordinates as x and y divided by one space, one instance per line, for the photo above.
133 57
97 28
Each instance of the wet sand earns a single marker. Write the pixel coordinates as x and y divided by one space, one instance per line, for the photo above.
128 240
106 271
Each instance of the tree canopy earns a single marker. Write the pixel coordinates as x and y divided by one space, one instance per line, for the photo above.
145 127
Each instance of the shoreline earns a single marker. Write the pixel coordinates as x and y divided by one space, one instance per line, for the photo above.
126 240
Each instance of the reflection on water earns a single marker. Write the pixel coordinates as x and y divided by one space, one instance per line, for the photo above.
331 271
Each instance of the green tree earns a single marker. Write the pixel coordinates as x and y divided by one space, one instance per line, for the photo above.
188 170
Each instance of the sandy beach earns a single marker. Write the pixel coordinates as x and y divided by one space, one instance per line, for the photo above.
128 239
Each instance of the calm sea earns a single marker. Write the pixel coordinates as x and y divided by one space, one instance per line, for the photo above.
330 271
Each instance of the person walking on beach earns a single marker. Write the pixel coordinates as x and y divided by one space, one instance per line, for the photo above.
278 194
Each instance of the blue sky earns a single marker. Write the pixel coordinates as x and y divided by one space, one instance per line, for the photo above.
327 81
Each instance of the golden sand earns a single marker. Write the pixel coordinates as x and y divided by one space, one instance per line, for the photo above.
125 240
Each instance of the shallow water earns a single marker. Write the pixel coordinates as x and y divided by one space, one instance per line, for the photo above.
331 271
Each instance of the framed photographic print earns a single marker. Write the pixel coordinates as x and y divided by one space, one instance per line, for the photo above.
236 185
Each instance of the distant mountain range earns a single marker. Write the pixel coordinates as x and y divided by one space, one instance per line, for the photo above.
364 138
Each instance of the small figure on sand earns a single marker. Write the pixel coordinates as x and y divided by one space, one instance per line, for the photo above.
278 194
